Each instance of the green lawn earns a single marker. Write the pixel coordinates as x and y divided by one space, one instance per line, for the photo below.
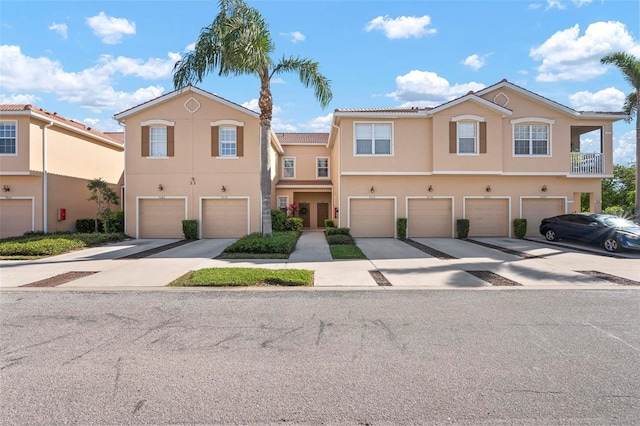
223 277
41 245
346 251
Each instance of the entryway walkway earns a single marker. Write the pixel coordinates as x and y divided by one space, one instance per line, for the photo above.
312 247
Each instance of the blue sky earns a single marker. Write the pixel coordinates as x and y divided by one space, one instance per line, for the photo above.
88 60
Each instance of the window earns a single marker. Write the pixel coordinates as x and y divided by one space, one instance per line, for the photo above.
467 137
322 167
531 139
289 167
8 141
283 203
373 139
227 141
157 142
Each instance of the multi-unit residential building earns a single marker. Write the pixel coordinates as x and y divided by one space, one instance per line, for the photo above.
491 156
45 163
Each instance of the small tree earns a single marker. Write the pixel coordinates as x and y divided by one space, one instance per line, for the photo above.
104 196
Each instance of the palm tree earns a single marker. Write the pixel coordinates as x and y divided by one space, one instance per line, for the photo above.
238 42
630 67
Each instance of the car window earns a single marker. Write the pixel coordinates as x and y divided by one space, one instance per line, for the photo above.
582 220
566 218
619 222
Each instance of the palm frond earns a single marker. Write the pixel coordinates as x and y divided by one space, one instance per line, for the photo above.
628 64
309 74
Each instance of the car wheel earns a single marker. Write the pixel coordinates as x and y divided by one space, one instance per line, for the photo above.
611 244
550 235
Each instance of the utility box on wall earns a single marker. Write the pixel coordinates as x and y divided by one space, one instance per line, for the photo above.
62 214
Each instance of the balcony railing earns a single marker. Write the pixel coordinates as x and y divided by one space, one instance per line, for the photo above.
587 163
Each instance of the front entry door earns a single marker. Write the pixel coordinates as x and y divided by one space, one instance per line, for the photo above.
303 211
322 214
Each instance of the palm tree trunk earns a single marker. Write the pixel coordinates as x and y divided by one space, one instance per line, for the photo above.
265 177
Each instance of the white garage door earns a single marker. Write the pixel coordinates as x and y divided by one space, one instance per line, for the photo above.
429 218
536 209
227 218
487 217
15 217
161 218
371 218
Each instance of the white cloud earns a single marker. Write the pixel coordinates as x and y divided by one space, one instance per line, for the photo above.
90 88
190 47
624 149
476 61
18 99
580 3
110 29
320 124
402 27
108 125
610 99
426 88
534 6
278 80
151 69
555 3
60 29
296 36
568 56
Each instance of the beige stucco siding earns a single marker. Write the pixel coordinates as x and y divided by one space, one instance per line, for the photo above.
193 172
305 161
411 151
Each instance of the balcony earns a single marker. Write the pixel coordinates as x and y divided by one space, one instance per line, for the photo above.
587 163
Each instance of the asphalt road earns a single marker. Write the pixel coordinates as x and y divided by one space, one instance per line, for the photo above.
320 357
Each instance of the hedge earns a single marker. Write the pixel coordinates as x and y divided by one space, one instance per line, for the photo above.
520 227
462 226
279 242
401 227
337 231
190 229
85 226
278 218
340 239
329 223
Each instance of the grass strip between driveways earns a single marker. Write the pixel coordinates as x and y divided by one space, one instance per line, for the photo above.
40 245
346 251
223 277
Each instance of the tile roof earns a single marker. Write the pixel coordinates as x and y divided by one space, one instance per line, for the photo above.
54 116
293 182
303 138
405 110
116 136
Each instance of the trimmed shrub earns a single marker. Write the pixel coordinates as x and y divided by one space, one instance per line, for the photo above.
401 227
53 244
337 231
115 222
520 227
279 242
329 223
293 224
462 226
190 229
278 217
340 239
86 226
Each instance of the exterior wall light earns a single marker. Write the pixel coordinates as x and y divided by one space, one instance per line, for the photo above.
5 188
544 188
372 190
488 188
430 189
160 187
223 189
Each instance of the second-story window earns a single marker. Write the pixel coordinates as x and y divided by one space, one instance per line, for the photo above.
227 141
373 139
289 167
8 139
531 139
157 141
322 165
467 137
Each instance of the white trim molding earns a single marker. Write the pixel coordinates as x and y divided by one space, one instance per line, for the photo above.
234 197
158 122
15 123
434 197
227 123
467 117
386 173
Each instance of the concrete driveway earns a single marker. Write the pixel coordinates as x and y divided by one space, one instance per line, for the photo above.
430 263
